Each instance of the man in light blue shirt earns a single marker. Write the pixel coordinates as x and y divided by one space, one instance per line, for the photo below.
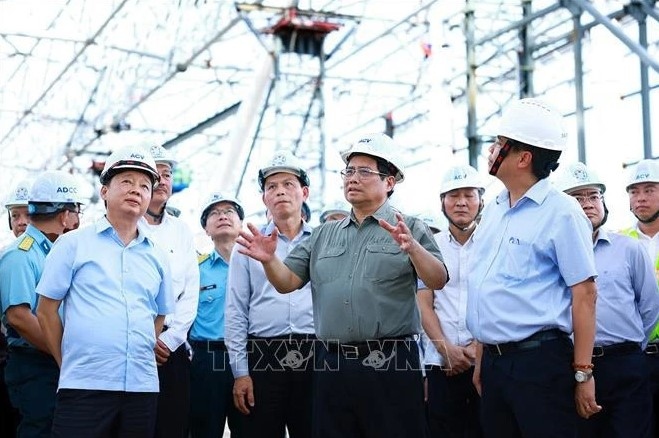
115 286
265 330
31 373
627 311
531 285
211 377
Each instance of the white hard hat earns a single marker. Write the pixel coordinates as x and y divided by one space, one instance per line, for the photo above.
379 146
335 208
535 123
460 177
130 158
646 171
216 198
20 195
576 176
53 191
162 156
283 161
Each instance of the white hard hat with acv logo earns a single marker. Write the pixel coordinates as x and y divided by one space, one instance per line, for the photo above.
577 176
646 171
380 146
460 177
53 191
535 123
20 195
130 158
162 156
283 161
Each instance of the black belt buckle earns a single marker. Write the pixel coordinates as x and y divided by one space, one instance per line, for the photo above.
652 349
598 351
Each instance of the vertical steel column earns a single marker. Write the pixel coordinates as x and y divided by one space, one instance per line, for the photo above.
578 81
472 138
524 58
636 10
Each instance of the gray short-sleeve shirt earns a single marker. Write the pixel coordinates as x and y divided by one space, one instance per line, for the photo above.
363 285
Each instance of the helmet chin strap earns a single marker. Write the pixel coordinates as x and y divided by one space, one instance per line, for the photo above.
650 220
606 216
471 225
503 152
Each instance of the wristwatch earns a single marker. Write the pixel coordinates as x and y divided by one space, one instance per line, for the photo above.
582 376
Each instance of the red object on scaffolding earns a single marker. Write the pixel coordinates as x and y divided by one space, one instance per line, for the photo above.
300 35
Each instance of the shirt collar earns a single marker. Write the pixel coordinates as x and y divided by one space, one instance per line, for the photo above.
270 226
39 237
536 193
385 212
103 224
602 235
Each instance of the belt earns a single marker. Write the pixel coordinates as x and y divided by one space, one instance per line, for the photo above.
616 349
354 350
532 342
652 348
291 337
210 345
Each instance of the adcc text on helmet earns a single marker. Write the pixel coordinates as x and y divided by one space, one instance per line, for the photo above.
379 146
53 191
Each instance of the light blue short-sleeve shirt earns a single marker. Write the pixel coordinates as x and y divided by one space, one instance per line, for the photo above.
523 262
111 296
21 265
209 323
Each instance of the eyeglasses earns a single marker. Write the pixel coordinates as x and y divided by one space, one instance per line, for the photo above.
590 198
362 172
225 211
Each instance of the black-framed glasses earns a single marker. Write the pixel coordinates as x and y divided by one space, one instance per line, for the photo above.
590 198
219 211
361 172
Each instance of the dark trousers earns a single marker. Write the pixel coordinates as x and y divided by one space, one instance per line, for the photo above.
453 404
174 398
652 364
32 378
529 393
377 395
82 413
211 396
281 371
9 417
621 388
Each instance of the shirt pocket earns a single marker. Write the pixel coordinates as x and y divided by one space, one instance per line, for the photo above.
385 261
517 259
329 265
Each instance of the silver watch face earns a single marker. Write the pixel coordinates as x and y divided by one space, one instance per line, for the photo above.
581 376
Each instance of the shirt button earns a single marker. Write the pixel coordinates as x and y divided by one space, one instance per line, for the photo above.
346 302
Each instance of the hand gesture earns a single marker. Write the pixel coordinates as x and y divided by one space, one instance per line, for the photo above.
162 352
243 394
584 397
256 245
400 232
457 360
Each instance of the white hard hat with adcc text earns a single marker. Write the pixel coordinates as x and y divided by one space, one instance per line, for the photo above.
53 191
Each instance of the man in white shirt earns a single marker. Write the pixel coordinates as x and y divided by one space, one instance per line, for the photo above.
450 349
175 238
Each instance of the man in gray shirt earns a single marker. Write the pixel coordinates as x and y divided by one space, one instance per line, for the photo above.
363 272
270 336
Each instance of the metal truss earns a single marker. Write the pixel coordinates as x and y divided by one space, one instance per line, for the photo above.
80 78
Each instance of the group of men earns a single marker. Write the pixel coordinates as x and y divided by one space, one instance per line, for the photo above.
366 326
